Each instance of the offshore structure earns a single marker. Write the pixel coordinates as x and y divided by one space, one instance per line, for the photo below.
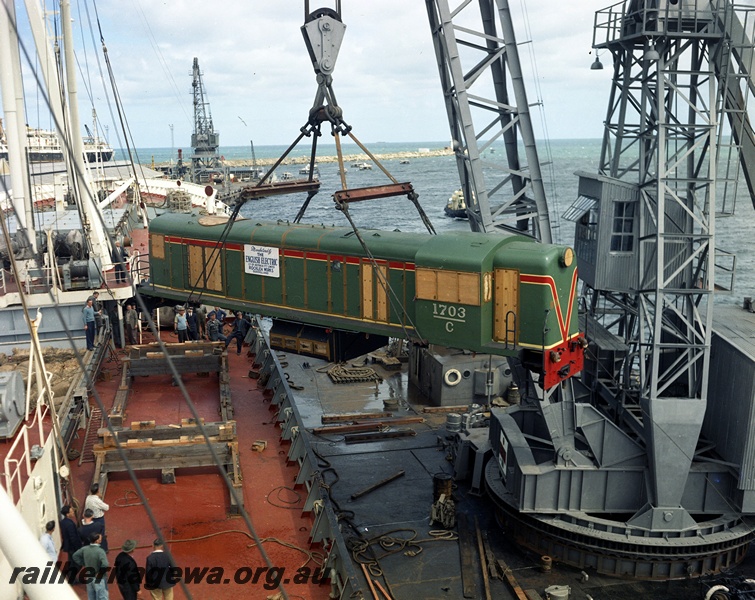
205 162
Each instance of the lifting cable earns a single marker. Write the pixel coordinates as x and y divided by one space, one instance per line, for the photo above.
121 117
190 404
413 196
215 252
396 304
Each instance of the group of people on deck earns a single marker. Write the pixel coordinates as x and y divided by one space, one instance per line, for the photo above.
191 324
86 546
94 318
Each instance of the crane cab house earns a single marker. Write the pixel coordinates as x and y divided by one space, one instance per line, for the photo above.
492 293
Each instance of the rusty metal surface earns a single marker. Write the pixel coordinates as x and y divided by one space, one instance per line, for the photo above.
373 192
254 192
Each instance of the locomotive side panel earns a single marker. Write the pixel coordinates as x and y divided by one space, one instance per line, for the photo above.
499 294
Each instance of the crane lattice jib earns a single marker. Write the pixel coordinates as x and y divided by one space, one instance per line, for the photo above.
486 101
205 162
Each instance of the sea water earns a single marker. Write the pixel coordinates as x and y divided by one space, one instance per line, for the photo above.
435 178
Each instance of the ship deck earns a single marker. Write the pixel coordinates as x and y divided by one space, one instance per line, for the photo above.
194 513
387 529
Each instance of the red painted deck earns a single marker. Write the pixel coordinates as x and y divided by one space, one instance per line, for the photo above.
193 512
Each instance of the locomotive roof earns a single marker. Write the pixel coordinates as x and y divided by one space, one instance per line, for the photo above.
451 250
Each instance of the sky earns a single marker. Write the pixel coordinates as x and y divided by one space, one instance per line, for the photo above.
260 83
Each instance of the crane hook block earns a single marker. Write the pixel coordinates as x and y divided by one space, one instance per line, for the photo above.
323 37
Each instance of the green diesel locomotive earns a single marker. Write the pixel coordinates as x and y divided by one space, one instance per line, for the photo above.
493 293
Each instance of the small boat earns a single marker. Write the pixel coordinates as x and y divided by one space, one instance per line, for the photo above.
287 176
456 207
404 162
362 166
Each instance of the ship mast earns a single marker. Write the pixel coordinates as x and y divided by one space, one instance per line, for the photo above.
66 120
15 122
85 189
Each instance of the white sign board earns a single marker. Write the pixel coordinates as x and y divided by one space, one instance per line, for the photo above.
503 455
261 260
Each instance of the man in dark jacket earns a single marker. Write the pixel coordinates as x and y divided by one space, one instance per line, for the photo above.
192 324
240 329
119 256
126 571
90 526
158 576
69 535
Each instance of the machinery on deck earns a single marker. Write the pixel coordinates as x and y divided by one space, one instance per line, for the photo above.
641 468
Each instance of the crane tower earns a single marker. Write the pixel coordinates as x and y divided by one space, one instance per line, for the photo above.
644 467
205 162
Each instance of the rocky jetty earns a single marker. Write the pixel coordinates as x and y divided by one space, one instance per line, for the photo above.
348 159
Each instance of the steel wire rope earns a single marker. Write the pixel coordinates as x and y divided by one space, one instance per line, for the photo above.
102 77
413 197
535 81
88 88
37 105
122 120
343 207
68 152
312 555
161 59
394 300
182 389
216 250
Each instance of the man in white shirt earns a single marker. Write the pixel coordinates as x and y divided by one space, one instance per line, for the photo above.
98 507
47 542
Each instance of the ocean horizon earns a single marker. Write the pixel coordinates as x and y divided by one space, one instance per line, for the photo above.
325 148
435 178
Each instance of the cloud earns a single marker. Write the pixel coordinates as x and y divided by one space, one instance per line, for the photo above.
255 65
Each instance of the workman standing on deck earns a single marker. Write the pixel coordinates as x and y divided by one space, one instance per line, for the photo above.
192 325
240 329
47 542
180 325
94 557
157 576
69 534
131 324
89 326
202 322
119 260
97 306
215 328
98 507
127 572
88 527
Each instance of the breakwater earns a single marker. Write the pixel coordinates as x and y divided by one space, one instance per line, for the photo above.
331 157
